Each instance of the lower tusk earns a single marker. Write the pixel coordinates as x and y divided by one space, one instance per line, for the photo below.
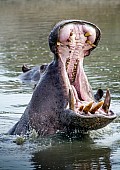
71 100
96 107
81 108
87 107
107 101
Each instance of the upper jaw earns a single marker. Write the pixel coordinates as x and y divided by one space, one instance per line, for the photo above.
54 35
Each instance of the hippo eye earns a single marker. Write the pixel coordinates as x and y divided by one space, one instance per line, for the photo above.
42 67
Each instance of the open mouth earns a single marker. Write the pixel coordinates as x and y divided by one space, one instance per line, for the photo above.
75 40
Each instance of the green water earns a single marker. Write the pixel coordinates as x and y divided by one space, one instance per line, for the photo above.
24 29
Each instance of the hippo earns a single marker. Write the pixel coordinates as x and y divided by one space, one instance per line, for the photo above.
32 75
62 100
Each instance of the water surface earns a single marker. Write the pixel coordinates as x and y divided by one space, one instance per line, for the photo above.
24 29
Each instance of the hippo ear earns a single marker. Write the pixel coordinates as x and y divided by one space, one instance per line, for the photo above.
25 68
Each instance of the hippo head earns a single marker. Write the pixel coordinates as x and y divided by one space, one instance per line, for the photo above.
71 41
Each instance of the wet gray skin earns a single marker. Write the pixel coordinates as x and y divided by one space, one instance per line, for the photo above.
63 99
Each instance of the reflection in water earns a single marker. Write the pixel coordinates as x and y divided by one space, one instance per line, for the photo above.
74 155
24 30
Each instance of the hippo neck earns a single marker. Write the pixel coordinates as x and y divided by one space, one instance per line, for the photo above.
60 64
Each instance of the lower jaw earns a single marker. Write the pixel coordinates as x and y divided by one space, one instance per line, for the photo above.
88 107
85 122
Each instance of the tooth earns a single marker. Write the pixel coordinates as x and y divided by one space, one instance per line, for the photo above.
96 107
67 63
81 108
107 101
73 76
71 100
87 107
75 70
58 43
87 34
90 43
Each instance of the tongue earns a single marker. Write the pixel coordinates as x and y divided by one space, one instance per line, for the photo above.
82 85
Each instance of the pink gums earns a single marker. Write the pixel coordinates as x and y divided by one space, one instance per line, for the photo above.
74 46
